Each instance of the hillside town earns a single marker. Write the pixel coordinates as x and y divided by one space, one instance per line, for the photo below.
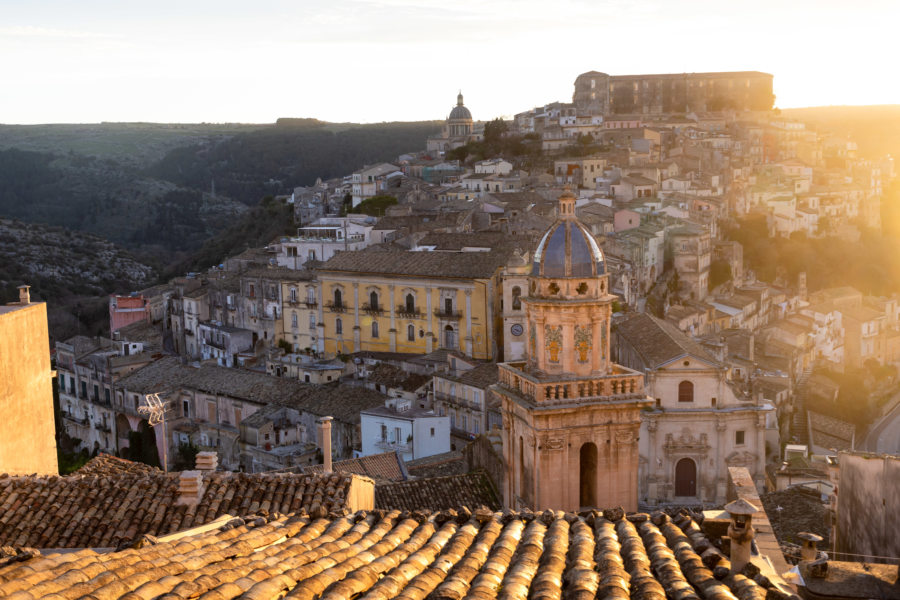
536 319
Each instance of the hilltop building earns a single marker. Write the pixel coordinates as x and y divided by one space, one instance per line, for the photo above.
602 94
571 417
458 130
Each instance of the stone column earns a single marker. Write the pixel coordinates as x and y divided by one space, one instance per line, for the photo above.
392 333
469 338
429 319
357 342
320 323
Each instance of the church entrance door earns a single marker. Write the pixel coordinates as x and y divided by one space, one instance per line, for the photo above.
686 478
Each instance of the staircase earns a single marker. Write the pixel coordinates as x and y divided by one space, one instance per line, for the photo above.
799 422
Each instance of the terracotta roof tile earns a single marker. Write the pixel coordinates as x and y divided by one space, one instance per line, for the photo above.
381 554
384 467
102 511
107 464
438 493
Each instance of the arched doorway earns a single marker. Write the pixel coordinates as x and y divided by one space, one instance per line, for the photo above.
685 477
587 475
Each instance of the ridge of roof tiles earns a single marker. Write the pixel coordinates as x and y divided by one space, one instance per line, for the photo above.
392 554
106 511
438 493
107 464
384 467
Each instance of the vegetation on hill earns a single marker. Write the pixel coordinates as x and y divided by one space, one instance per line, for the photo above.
871 265
251 165
73 272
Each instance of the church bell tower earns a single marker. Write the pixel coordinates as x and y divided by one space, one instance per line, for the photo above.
571 417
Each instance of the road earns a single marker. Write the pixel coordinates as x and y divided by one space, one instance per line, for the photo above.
884 437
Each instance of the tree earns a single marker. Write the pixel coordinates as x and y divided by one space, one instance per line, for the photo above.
185 456
375 206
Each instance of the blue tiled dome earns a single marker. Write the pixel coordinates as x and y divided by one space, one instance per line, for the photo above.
568 249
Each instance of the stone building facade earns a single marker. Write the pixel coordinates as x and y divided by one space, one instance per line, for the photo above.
571 417
699 426
599 93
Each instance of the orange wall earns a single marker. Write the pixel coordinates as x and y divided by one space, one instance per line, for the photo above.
27 434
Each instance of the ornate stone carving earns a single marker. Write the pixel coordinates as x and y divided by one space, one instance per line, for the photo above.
584 341
686 444
554 444
553 342
741 459
625 437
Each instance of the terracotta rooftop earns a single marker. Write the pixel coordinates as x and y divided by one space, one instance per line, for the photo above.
439 493
385 467
107 464
343 402
436 265
89 511
656 341
381 554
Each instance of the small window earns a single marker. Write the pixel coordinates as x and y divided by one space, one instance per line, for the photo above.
739 438
374 329
685 391
410 303
410 333
338 326
338 299
517 298
432 432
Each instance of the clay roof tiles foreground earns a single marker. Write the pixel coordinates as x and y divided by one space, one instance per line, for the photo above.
106 511
384 467
381 554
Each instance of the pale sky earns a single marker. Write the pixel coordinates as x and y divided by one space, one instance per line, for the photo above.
404 60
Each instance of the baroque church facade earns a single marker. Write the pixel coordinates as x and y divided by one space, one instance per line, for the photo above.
571 417
458 130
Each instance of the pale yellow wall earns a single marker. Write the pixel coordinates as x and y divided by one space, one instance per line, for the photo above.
27 435
391 294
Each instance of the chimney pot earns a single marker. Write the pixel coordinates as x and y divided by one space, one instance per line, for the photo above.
325 442
809 551
24 294
741 532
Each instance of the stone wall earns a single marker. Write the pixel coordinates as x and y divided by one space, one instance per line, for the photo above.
480 454
27 432
868 505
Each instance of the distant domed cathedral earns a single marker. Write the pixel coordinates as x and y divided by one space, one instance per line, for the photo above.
458 130
571 417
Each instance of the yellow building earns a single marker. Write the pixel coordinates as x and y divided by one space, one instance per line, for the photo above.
27 436
412 302
300 311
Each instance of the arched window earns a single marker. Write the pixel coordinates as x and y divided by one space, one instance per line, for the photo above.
294 320
374 329
685 391
410 303
517 298
338 299
338 326
310 295
410 333
293 294
449 337
373 301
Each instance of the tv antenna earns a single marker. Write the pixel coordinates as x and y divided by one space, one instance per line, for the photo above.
155 409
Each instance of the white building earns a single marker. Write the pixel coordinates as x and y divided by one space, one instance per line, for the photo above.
701 424
371 181
320 240
402 427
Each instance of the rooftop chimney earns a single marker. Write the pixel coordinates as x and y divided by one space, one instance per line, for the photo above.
190 488
24 294
741 532
206 462
809 550
325 442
